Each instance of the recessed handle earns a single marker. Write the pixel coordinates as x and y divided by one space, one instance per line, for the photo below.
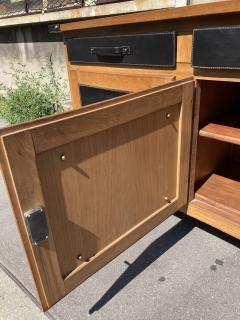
110 51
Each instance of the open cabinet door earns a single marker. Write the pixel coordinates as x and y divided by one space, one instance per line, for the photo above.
86 184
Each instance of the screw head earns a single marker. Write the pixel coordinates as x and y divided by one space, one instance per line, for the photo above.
79 258
168 115
167 199
63 157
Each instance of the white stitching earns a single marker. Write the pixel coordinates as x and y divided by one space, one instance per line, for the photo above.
195 50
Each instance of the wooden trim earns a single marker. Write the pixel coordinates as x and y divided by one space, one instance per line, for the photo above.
157 15
121 70
221 132
76 127
136 71
73 82
195 125
22 180
217 75
185 139
84 271
74 88
73 113
210 215
125 82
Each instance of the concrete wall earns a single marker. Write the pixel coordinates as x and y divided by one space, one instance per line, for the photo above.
29 45
92 11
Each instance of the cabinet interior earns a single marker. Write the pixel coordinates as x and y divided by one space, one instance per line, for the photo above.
217 174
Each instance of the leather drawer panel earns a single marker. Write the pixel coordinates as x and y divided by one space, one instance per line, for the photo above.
155 49
91 95
216 48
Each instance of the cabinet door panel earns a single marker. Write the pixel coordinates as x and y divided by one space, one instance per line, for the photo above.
104 175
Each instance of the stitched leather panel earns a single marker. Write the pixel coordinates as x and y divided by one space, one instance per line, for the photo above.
216 48
155 49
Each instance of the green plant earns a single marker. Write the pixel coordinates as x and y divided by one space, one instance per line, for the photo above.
34 95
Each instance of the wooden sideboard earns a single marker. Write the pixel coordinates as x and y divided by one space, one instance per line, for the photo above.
214 189
149 135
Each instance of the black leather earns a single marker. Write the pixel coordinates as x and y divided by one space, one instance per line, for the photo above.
216 48
91 95
155 49
110 51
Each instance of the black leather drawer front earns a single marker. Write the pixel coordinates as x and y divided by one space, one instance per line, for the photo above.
91 95
216 48
155 49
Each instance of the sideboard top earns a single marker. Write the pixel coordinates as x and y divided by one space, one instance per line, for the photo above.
216 8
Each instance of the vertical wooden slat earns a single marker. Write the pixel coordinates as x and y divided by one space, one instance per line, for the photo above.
22 180
73 83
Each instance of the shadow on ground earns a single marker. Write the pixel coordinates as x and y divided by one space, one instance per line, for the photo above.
154 251
148 256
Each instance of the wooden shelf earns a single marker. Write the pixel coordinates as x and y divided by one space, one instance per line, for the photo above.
221 132
217 202
221 192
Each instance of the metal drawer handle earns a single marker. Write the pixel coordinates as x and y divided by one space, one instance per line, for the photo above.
110 51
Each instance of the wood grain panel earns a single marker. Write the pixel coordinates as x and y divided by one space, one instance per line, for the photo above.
218 99
44 121
210 215
86 269
223 193
22 180
157 15
221 133
184 70
118 177
217 201
125 169
74 88
131 79
217 75
211 154
73 82
123 70
126 82
184 48
115 113
194 145
182 175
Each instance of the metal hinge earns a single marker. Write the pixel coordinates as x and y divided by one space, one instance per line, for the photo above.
54 28
37 225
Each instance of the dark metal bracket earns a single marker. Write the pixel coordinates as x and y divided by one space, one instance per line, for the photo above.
37 225
54 28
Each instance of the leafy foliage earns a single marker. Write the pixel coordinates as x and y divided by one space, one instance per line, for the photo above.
34 95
